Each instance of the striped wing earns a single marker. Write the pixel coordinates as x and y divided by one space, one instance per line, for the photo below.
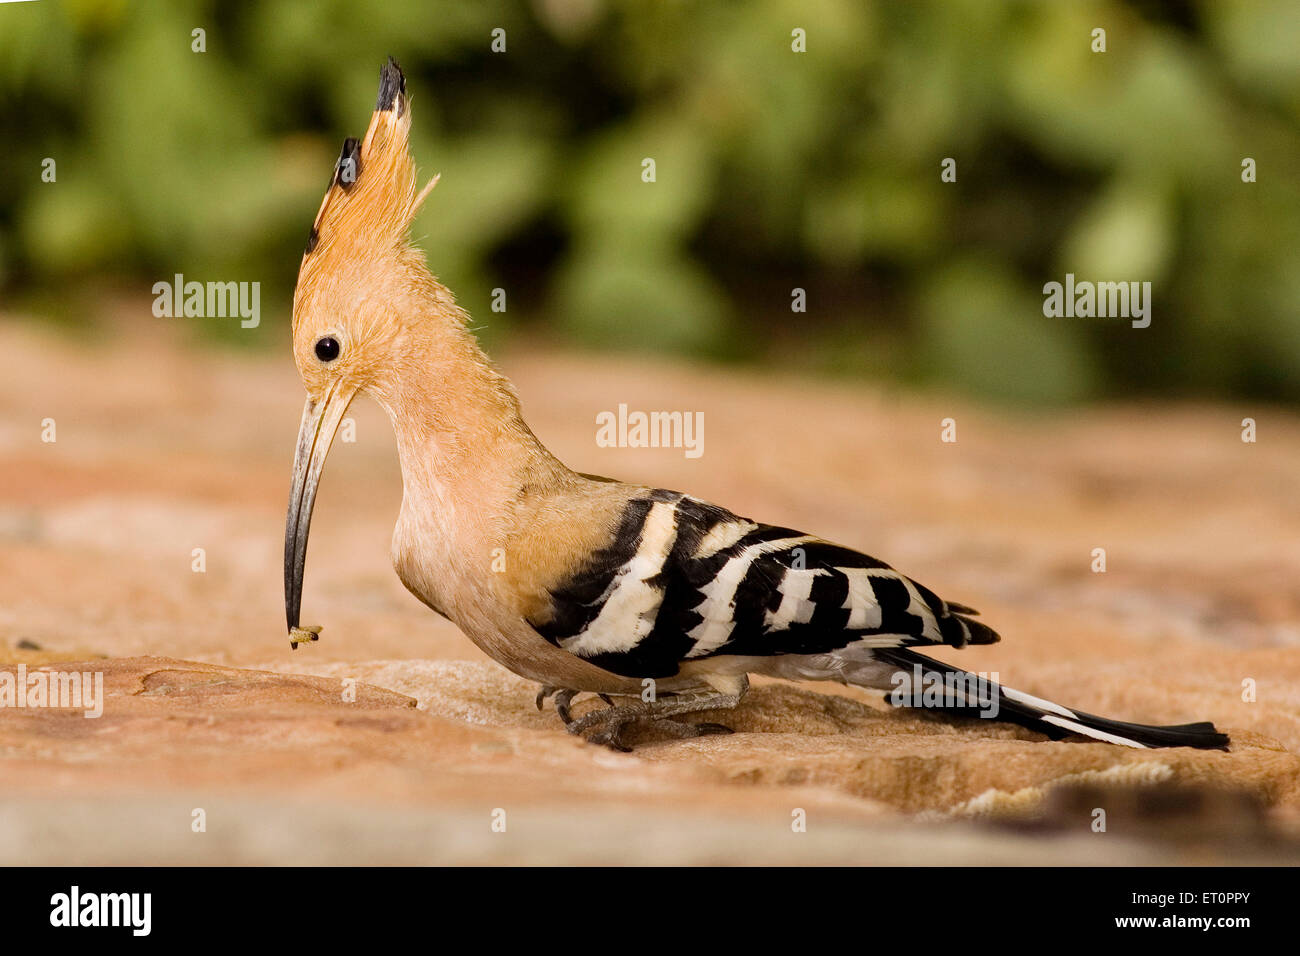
683 580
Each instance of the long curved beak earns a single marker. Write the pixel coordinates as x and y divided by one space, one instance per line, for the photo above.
320 420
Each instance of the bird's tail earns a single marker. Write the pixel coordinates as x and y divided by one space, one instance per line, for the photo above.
958 691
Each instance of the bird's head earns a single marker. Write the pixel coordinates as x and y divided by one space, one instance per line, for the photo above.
365 310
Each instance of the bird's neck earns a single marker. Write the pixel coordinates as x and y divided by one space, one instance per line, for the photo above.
466 452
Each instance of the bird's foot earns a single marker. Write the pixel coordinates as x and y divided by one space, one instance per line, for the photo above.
606 726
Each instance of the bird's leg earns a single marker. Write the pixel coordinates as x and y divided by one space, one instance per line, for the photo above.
612 720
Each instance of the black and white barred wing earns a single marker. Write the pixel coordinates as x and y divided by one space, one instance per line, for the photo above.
684 580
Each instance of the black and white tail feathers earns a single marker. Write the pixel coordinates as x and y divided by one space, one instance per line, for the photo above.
1056 721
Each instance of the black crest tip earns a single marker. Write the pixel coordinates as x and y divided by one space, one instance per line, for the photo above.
392 86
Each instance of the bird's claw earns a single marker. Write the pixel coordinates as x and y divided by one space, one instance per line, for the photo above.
563 697
562 701
611 737
707 729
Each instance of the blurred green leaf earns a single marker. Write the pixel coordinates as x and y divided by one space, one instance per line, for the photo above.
981 331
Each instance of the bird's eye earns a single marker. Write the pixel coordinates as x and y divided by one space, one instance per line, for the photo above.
327 349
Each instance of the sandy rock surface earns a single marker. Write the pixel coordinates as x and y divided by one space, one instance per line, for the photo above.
394 740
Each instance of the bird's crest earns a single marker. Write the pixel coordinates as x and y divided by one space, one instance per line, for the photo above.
371 199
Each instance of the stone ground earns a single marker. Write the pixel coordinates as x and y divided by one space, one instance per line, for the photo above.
164 446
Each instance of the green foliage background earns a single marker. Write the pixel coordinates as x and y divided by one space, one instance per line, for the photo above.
775 170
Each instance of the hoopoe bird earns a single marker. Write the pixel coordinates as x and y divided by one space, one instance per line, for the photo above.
607 587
